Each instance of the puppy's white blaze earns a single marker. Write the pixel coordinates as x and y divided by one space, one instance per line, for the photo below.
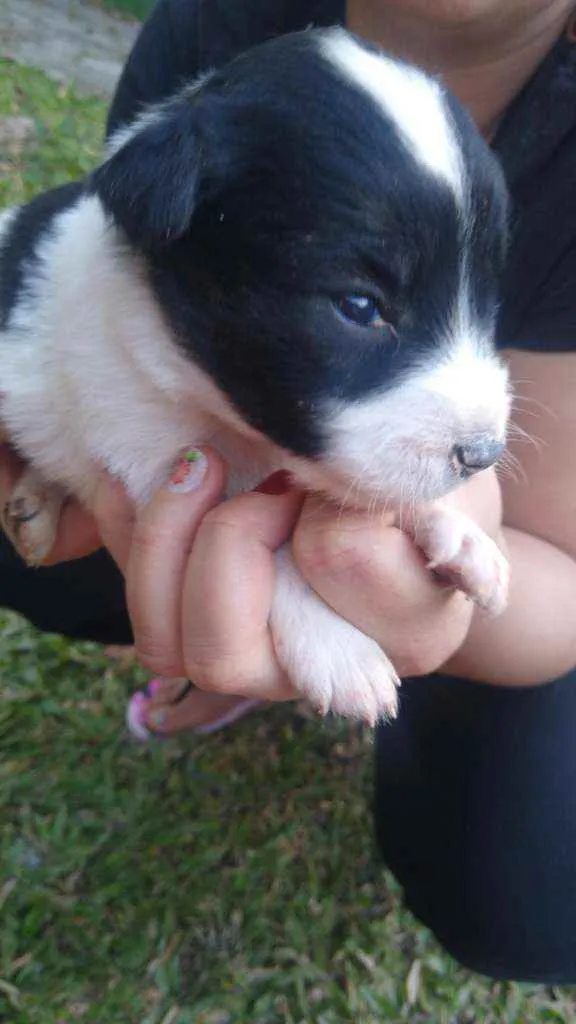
475 386
411 100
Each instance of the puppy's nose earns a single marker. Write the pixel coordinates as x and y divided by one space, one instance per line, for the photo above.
478 454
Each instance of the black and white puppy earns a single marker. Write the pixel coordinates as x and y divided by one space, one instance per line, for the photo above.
294 260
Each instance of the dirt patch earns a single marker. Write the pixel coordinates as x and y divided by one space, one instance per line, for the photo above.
67 39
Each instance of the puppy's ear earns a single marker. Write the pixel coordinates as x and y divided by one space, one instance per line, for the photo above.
150 182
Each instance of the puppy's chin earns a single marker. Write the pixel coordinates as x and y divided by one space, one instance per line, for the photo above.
417 480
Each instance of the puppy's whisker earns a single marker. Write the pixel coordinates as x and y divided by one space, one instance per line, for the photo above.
529 400
401 511
518 407
346 500
517 434
510 467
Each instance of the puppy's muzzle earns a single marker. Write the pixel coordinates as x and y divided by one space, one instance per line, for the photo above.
478 455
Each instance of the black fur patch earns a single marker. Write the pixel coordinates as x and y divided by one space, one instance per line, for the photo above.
18 244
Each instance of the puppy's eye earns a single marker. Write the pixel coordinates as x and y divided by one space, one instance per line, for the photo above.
362 310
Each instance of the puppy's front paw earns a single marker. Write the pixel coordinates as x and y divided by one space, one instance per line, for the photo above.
30 517
330 662
459 551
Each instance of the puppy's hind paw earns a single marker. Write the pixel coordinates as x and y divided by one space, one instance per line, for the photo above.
334 666
338 669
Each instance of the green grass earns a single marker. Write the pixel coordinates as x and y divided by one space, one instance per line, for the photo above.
70 132
129 8
232 879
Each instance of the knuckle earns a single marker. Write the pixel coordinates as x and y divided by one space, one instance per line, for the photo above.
220 527
218 675
222 517
422 655
159 664
154 656
425 650
420 660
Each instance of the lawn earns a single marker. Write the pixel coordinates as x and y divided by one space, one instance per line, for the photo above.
129 8
232 879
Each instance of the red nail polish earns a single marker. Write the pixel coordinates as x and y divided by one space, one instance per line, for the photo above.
277 483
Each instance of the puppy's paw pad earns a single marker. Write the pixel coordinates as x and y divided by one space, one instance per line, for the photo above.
460 552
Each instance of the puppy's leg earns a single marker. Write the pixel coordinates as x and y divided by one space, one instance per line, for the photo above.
457 549
30 517
335 666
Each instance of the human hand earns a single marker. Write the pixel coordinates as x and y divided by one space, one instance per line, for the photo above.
200 574
373 575
188 624
178 550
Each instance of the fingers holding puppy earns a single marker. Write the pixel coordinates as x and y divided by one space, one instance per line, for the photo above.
155 558
373 575
200 576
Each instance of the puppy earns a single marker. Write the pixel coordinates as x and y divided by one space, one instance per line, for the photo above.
295 260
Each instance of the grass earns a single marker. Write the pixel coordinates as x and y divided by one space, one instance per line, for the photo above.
222 881
69 133
129 8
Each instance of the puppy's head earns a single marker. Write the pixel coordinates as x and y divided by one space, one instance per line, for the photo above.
325 228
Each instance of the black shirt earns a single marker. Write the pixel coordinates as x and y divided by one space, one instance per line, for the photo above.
536 143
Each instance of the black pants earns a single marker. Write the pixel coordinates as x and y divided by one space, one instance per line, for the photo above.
475 796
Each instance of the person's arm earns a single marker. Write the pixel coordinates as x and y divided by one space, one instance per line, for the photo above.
535 640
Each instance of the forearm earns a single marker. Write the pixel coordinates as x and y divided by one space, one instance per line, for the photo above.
534 641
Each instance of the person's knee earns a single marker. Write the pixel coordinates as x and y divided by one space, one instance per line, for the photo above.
474 814
490 919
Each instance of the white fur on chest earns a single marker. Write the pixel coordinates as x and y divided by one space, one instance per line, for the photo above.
90 374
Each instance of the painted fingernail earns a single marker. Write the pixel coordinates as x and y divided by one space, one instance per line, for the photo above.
277 483
188 472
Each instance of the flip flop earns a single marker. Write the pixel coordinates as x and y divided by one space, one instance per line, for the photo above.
138 704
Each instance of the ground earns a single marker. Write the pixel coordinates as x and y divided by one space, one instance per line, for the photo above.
69 39
226 880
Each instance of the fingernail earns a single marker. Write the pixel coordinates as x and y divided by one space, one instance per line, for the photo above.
277 483
188 472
